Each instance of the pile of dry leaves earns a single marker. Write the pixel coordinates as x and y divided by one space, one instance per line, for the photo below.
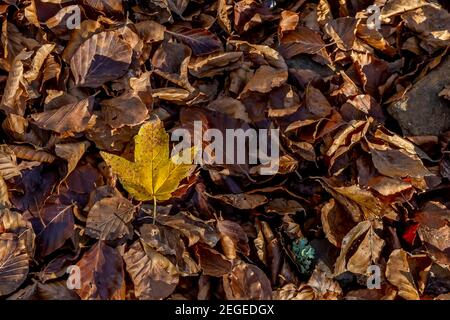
364 167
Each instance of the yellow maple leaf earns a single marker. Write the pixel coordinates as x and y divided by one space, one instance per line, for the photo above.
153 175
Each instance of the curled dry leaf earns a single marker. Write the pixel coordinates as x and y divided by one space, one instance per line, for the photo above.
247 282
397 163
31 154
4 197
357 201
336 222
292 292
15 223
201 41
38 61
194 229
68 119
154 276
8 163
302 40
233 238
284 206
212 262
434 231
125 110
103 57
45 291
72 153
10 100
398 273
168 242
367 253
13 263
106 6
323 285
342 31
350 190
241 201
153 175
214 64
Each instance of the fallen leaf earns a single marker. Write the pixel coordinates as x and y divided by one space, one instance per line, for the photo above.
102 274
109 219
153 275
398 273
247 282
103 57
153 175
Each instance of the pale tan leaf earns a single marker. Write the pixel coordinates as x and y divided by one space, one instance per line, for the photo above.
4 197
398 273
38 61
109 218
153 275
12 88
72 153
8 164
31 154
13 263
71 118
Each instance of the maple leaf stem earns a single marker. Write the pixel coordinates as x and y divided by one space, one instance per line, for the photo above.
154 210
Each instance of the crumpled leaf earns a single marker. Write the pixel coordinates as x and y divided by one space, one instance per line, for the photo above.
194 229
153 275
367 253
68 119
201 41
398 273
247 282
103 57
233 238
72 152
13 263
241 201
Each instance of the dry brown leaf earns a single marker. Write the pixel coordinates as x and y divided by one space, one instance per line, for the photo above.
68 119
153 275
8 164
241 201
336 222
398 273
102 274
103 57
13 263
247 282
72 153
109 219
